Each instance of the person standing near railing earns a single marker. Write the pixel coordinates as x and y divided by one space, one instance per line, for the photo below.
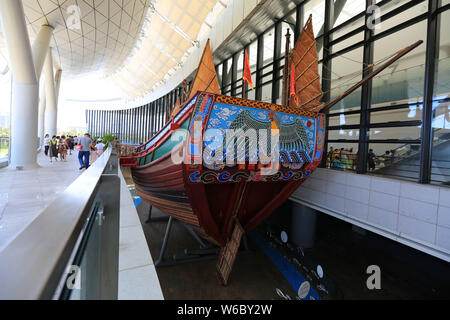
84 151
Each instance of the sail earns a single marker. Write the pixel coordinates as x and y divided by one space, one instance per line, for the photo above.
306 70
206 76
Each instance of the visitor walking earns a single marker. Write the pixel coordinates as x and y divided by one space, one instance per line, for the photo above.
46 144
93 151
70 144
62 148
99 147
84 154
53 149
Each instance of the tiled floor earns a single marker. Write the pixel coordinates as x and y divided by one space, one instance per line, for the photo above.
25 194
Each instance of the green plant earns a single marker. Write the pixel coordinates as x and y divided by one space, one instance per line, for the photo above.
108 138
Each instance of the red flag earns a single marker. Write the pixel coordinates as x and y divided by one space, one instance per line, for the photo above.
293 92
247 72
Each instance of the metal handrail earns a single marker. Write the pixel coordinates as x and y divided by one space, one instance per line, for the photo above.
33 264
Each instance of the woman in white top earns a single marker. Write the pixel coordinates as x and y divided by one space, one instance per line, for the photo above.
99 147
46 144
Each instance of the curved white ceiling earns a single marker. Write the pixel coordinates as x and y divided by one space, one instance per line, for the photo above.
135 45
173 29
89 35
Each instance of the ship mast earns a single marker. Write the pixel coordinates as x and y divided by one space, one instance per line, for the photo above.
285 91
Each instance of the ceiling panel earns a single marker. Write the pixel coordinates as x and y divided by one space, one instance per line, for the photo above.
135 44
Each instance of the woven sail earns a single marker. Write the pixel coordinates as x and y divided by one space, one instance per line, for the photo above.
206 76
307 79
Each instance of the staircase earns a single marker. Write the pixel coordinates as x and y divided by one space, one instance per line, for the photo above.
408 167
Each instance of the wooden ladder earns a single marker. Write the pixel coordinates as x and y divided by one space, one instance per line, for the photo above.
227 254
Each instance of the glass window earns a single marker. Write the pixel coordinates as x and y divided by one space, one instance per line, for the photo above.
219 71
227 75
267 92
317 9
440 171
348 28
240 66
344 120
345 10
395 133
252 55
342 156
346 70
442 85
347 42
400 84
268 76
405 15
346 134
269 38
405 113
403 81
398 160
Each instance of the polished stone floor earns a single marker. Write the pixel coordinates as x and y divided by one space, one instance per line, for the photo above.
25 194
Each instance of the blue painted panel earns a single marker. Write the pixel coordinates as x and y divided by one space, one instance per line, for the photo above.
224 116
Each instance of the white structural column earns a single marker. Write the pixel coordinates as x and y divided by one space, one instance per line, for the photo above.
24 108
42 100
40 48
57 85
51 115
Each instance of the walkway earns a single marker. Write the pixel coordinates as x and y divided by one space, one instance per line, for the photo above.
25 194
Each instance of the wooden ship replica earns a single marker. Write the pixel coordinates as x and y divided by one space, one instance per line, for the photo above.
222 196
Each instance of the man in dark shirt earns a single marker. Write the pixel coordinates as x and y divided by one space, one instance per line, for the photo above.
371 160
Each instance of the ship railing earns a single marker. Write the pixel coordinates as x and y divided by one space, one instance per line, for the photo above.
71 250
